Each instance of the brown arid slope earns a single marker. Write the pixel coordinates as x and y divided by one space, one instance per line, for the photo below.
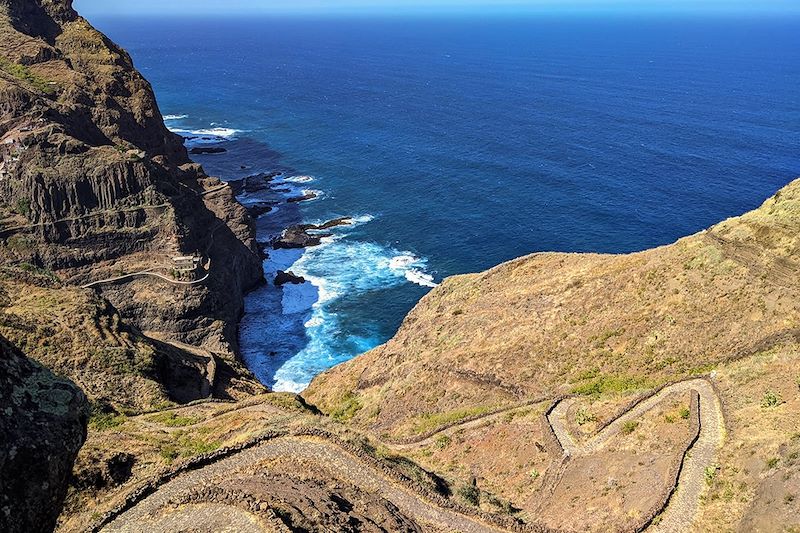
464 385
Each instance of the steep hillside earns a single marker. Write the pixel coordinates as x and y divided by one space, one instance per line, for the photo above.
609 330
93 187
551 323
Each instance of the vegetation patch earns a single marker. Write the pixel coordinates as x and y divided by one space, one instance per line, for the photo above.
431 421
605 383
184 445
442 441
24 74
348 408
23 207
710 473
771 399
629 427
470 494
103 417
172 419
584 417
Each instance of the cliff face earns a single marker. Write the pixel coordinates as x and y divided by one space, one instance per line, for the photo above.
42 427
93 185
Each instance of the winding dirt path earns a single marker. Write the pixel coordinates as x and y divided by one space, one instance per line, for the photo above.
684 502
132 275
152 513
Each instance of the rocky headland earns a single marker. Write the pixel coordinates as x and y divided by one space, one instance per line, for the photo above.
651 391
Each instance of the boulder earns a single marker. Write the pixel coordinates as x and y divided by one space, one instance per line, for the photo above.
282 278
310 195
43 421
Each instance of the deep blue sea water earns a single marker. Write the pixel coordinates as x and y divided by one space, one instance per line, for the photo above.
462 143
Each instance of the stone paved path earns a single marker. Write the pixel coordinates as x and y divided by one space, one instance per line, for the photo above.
149 514
682 507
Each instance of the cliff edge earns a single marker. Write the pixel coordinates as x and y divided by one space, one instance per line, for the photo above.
94 187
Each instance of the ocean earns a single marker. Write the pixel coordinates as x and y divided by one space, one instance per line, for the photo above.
459 143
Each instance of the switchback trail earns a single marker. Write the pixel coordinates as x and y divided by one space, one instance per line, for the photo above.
679 514
682 506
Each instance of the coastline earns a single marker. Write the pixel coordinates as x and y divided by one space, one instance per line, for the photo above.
290 331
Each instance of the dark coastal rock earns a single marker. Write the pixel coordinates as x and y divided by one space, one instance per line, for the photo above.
282 278
258 209
304 198
307 235
42 426
341 221
251 184
299 237
200 150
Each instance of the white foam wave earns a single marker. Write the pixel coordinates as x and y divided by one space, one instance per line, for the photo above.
420 278
206 135
317 194
337 269
287 385
175 117
362 219
299 179
219 132
402 261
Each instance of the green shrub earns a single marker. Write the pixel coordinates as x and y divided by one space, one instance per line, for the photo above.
534 474
772 462
443 441
771 399
629 427
470 493
23 207
584 417
710 473
684 412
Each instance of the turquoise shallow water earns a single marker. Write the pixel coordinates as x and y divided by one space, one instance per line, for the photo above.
460 144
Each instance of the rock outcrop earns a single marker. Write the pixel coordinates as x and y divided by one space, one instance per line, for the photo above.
42 426
282 278
308 235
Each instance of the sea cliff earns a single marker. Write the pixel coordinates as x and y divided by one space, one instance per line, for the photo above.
93 186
